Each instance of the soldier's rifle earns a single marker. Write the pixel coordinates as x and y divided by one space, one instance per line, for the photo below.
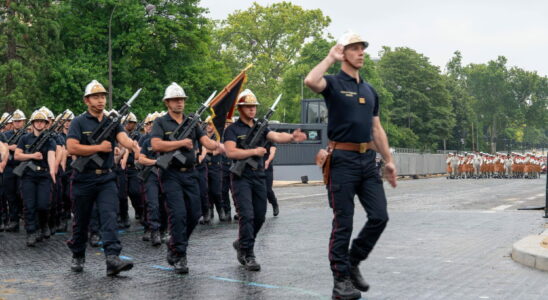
252 141
182 132
137 129
38 144
102 132
14 139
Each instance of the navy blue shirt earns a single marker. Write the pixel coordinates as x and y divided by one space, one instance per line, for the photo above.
3 138
81 128
11 162
146 147
351 107
237 132
26 141
162 129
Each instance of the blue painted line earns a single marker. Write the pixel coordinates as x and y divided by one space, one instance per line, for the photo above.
162 268
121 231
60 233
268 286
125 257
226 279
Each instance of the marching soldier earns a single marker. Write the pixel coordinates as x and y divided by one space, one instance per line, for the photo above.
96 184
179 180
226 163
36 185
213 159
66 170
131 172
155 208
4 154
353 128
249 189
201 169
12 183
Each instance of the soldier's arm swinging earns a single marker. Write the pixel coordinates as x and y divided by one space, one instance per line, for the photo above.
284 137
125 141
210 144
381 143
315 80
145 161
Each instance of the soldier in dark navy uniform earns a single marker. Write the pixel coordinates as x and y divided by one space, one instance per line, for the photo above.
134 189
180 181
36 184
4 154
226 163
96 184
213 160
249 190
12 183
154 202
354 128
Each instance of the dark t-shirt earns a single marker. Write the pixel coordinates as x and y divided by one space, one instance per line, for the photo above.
82 127
237 132
351 107
162 129
28 139
146 147
131 155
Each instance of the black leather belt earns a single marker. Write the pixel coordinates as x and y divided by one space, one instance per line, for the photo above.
213 163
97 171
38 168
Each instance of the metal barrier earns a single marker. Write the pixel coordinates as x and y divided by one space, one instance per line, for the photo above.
409 164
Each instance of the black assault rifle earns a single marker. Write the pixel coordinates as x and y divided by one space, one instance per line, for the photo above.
103 132
252 141
14 139
39 143
137 130
182 132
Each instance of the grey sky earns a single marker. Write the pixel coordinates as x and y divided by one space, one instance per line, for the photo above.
481 30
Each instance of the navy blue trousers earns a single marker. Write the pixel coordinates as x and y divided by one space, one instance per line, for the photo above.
354 174
183 207
37 195
101 190
249 194
154 200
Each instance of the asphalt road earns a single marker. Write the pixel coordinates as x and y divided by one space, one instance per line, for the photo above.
446 239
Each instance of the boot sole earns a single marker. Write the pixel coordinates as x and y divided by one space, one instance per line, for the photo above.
253 269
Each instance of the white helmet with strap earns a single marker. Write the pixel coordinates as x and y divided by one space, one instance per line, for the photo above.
18 115
247 98
39 115
94 87
174 91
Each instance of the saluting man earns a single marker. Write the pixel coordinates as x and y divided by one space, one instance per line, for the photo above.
96 184
353 128
179 181
249 190
36 186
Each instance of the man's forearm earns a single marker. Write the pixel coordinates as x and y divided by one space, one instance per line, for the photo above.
381 143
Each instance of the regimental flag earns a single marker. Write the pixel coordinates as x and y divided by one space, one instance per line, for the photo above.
222 106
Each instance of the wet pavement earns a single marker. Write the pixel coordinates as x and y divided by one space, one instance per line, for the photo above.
446 239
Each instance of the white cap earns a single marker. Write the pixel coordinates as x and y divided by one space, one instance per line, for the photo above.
174 91
39 115
247 98
350 37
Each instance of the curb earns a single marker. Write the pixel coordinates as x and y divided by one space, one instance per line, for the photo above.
532 251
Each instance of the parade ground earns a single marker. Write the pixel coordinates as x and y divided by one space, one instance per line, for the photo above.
446 239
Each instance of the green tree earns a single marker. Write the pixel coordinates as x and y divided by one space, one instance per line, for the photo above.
421 99
271 37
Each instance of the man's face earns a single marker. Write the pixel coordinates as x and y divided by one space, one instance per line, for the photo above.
354 54
18 124
96 102
148 127
209 128
67 124
130 126
39 125
8 127
176 105
248 111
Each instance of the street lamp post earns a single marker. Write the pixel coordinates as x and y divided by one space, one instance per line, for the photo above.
110 59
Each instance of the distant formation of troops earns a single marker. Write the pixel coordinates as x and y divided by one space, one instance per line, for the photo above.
500 165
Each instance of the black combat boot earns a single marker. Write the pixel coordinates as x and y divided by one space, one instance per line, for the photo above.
343 289
94 240
155 238
178 263
275 209
146 236
251 263
77 264
13 226
46 232
239 253
31 239
222 214
357 279
115 265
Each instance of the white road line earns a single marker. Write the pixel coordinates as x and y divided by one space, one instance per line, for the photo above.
501 207
532 198
303 196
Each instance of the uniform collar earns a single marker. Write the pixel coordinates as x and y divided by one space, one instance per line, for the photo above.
342 75
90 116
169 118
242 123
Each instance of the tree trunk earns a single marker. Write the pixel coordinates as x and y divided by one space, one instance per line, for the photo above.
11 54
494 135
